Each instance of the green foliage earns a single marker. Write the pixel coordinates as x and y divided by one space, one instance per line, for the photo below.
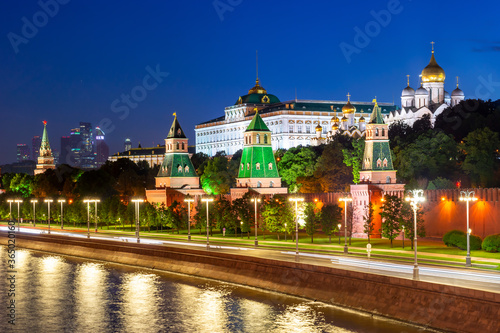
175 216
391 217
407 220
458 238
200 161
297 162
354 157
480 148
312 219
368 225
491 243
245 213
330 217
219 175
331 173
276 212
440 183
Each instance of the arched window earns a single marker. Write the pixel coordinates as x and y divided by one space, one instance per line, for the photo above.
183 146
385 163
383 131
186 169
177 146
179 168
258 138
259 184
265 138
248 166
242 166
270 166
388 179
271 184
257 166
246 140
379 163
376 132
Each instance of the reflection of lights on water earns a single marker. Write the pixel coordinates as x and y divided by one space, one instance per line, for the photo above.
256 317
140 302
22 258
51 264
91 297
303 318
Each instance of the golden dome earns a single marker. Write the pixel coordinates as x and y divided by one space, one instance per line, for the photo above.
335 119
433 72
257 89
362 119
348 108
319 128
335 127
344 119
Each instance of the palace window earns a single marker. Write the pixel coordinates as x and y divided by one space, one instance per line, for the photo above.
299 128
257 166
308 129
290 129
270 166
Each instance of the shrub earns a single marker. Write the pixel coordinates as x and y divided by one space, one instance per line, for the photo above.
491 243
458 239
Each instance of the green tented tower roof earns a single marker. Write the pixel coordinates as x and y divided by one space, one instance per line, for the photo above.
376 116
176 131
257 124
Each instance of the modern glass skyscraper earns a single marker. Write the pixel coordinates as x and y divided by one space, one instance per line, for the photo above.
23 152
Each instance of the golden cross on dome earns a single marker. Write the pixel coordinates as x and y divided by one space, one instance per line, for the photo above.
432 43
457 81
348 97
174 114
408 79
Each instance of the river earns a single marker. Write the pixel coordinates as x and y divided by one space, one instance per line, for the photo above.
56 293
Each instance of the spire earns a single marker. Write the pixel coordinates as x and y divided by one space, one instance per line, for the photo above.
432 43
457 81
176 130
376 116
257 65
408 79
45 145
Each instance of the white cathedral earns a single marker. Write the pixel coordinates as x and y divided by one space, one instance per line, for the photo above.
430 98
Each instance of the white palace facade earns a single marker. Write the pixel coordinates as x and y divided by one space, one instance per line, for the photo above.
292 123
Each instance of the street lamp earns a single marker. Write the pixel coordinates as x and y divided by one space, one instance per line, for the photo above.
339 225
189 200
403 237
256 200
48 201
285 231
468 196
345 200
95 216
34 202
415 199
61 201
10 201
137 202
88 201
18 201
207 200
296 200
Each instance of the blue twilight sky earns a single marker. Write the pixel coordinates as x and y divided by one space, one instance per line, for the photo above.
84 57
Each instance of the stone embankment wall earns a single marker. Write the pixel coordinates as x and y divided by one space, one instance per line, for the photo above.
437 306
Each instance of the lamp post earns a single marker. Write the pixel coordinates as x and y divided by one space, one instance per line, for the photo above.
61 201
339 225
403 237
34 202
468 196
48 201
137 211
18 201
95 216
296 200
189 200
88 201
10 201
415 199
256 200
345 200
285 232
207 200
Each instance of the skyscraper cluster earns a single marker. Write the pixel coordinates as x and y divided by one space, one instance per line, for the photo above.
84 147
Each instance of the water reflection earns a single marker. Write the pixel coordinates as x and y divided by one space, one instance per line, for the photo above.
91 298
140 310
57 294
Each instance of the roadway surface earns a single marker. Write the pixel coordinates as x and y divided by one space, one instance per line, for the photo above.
471 278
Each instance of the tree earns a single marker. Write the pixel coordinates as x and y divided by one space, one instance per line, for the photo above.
175 216
297 162
200 161
311 218
245 213
276 212
480 148
391 217
354 157
331 172
330 217
368 225
219 175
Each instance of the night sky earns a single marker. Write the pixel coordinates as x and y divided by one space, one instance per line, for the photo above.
89 53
